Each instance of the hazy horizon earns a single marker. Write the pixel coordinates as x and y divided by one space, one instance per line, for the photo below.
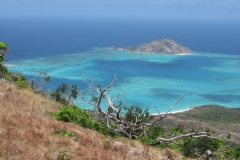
215 10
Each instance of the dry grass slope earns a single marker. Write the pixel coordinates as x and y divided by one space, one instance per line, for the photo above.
27 131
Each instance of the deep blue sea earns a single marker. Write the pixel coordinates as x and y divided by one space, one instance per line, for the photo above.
76 48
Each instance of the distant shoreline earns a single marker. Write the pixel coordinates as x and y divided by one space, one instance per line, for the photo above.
179 111
121 49
183 54
7 65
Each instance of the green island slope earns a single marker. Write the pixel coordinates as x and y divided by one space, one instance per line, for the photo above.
223 121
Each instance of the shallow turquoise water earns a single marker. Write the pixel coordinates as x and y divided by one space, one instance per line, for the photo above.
146 80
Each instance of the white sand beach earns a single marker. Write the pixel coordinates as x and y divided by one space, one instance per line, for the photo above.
7 65
173 112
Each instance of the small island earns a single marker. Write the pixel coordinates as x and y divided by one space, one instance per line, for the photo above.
161 46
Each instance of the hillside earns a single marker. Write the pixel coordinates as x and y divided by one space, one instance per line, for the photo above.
29 131
223 121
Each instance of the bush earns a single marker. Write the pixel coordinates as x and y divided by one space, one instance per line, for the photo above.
188 146
152 134
194 147
3 70
62 154
135 111
20 80
236 152
77 115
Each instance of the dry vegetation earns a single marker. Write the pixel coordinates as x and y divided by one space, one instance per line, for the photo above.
27 131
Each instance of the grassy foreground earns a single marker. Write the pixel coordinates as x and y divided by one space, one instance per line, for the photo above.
29 131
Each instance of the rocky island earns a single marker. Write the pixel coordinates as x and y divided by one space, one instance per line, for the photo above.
161 46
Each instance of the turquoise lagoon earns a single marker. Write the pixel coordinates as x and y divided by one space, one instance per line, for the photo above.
145 80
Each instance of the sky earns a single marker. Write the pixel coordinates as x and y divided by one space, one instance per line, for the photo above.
227 10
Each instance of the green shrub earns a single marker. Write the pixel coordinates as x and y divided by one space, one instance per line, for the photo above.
66 134
193 147
72 114
3 70
77 115
188 146
236 152
107 143
101 128
228 152
152 133
62 154
135 111
20 80
3 49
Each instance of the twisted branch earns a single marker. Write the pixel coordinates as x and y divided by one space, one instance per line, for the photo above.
193 135
123 124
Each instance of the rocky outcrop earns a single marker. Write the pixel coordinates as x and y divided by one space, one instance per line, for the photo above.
161 46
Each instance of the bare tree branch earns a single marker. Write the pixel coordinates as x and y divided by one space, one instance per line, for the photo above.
121 129
111 103
127 128
102 95
175 103
89 102
193 135
162 116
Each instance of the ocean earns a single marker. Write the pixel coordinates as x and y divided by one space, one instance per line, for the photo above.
75 49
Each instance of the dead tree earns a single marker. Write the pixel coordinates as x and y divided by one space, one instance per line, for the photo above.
127 128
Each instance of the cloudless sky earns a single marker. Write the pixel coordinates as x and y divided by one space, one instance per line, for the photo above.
223 10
